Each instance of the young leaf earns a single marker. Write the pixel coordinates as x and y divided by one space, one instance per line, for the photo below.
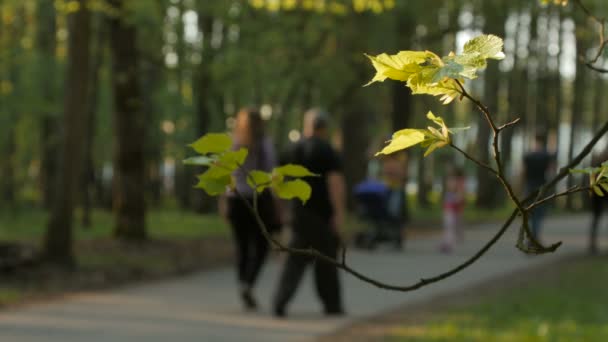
291 170
597 190
259 180
212 143
403 139
296 188
402 66
485 46
214 184
233 159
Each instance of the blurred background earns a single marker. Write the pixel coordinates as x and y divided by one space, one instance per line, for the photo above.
131 83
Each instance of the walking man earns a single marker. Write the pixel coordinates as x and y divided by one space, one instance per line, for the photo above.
317 223
537 163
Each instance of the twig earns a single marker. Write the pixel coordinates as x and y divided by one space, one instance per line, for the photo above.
603 42
474 160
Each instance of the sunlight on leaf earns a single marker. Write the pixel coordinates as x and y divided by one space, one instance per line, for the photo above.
291 170
212 143
293 189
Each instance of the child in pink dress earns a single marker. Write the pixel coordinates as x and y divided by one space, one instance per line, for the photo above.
453 206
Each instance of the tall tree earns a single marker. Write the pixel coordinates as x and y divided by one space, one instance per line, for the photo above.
128 199
88 174
487 196
49 133
58 238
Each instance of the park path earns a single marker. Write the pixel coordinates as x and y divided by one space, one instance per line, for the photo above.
204 307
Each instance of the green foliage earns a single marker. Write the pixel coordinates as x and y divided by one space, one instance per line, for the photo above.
222 163
430 138
598 178
426 73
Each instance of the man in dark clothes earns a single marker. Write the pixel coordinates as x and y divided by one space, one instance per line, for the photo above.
537 163
316 224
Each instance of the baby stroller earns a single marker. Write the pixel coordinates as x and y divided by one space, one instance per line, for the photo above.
384 209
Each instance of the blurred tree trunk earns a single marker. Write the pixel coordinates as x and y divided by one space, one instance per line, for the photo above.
58 238
489 190
578 108
355 144
202 83
46 41
88 174
130 122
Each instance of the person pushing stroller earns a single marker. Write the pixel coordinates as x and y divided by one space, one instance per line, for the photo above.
384 204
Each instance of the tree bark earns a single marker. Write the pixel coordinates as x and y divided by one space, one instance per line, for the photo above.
129 120
577 110
88 174
488 195
49 133
202 83
58 238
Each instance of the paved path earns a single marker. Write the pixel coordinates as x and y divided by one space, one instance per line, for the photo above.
204 307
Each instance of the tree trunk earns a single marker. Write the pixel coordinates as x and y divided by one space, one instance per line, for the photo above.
88 174
130 122
489 190
49 133
58 239
355 143
577 111
203 203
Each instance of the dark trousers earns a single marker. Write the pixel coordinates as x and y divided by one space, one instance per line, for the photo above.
251 246
310 230
598 204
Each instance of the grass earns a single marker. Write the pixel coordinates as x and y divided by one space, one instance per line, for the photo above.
566 304
162 224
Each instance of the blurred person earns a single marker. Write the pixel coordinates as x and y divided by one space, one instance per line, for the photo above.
317 223
384 204
251 245
537 164
598 204
453 206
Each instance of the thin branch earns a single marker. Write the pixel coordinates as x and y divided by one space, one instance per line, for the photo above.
570 191
508 124
603 42
474 160
311 252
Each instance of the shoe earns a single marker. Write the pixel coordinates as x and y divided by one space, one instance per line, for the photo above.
335 312
248 300
279 312
445 249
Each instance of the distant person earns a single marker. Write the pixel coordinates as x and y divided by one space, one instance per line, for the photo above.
453 206
251 246
317 223
537 164
598 204
384 204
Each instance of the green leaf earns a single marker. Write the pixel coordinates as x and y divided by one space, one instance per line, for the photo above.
291 170
403 139
604 186
199 160
296 188
259 180
402 66
437 144
212 143
214 184
597 190
451 69
233 159
485 46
